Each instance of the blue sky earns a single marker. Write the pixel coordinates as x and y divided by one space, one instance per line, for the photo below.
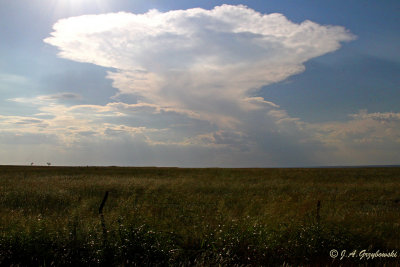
199 83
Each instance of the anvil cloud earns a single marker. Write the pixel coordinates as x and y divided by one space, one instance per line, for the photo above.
187 86
205 61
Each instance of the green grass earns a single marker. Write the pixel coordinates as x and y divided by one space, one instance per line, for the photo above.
185 217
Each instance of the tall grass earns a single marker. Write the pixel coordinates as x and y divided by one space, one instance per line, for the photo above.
171 216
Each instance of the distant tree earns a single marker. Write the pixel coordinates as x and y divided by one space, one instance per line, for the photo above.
48 163
31 163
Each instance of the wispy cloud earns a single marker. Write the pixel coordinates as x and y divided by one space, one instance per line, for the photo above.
13 78
62 96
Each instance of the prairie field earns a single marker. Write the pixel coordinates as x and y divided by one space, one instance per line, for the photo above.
51 216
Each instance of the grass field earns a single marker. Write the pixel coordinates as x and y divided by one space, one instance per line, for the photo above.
185 217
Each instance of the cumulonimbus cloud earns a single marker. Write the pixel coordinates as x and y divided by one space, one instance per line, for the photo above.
206 61
206 66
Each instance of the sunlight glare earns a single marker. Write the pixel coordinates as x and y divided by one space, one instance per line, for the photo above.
79 6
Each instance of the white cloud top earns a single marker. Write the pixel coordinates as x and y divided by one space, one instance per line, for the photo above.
201 60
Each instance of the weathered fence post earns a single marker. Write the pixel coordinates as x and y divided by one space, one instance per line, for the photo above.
318 212
108 256
103 223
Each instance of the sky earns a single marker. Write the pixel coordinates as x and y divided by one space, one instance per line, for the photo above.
200 83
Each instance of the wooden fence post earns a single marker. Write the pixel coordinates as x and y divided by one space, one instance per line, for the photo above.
318 212
103 223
